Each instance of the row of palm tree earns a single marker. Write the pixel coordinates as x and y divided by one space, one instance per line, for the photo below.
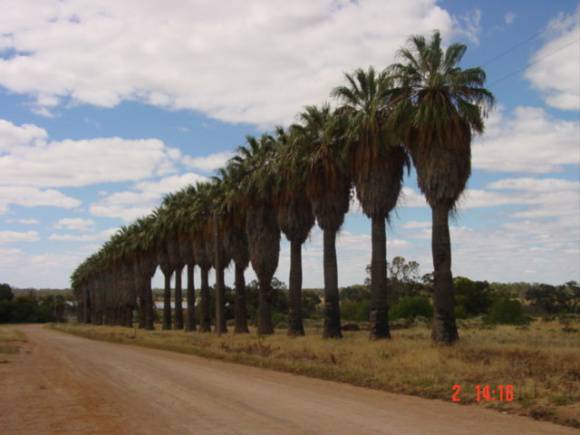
421 111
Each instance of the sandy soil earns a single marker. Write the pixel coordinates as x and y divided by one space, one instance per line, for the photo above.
62 384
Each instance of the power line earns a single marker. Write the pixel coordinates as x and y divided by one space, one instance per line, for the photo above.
508 75
509 50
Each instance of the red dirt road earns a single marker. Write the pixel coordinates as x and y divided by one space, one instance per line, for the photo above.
62 384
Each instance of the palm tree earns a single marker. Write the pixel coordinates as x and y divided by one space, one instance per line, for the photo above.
164 243
296 219
202 249
439 106
320 152
221 253
144 245
234 237
179 247
377 163
262 228
183 221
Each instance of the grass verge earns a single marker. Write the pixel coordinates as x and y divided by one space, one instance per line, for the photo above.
10 340
541 361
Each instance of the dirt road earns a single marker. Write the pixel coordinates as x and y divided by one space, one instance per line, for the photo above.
62 384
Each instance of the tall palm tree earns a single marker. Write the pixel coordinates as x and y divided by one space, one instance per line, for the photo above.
377 164
183 220
221 252
178 246
145 250
295 217
440 105
253 160
203 249
165 243
235 238
320 151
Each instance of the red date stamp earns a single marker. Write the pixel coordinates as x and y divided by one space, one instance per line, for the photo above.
486 393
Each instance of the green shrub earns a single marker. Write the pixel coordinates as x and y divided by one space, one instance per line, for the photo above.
460 312
355 311
506 311
410 307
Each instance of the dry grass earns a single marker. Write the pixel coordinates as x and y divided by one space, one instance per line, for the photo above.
10 339
542 361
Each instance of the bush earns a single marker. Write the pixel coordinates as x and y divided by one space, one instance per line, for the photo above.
355 311
471 297
460 312
410 307
506 311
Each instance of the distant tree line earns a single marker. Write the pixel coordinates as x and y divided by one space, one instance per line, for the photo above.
410 297
31 307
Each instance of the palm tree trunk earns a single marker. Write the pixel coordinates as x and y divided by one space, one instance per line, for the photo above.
295 326
86 306
241 312
129 317
149 305
265 325
220 291
190 319
331 306
379 310
167 301
444 328
178 299
142 305
220 300
205 315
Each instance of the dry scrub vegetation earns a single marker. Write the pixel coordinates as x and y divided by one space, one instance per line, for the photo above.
542 360
10 340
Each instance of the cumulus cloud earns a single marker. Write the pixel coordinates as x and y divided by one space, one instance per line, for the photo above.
142 198
30 159
18 236
23 221
13 136
34 197
203 56
529 140
77 224
90 237
210 162
51 269
556 65
537 233
469 25
411 225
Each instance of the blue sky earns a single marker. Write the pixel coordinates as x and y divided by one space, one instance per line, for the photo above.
105 106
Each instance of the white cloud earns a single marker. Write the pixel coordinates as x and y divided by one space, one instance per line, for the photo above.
411 225
91 237
51 269
469 25
509 17
555 68
529 141
204 56
13 136
17 236
34 197
131 204
77 224
411 198
84 162
210 162
23 221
